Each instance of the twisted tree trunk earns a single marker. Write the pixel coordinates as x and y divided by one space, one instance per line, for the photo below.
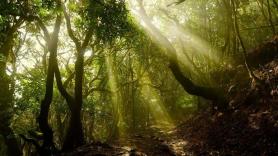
52 43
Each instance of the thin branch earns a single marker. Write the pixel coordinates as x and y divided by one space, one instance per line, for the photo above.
260 27
70 31
87 62
236 27
40 43
41 25
176 3
87 39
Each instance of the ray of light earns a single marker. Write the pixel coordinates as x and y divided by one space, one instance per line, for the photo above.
116 97
143 20
195 42
174 37
155 105
156 35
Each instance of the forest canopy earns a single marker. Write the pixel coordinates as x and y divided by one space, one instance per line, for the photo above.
74 72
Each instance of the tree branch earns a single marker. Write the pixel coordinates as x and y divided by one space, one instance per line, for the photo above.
70 31
41 25
61 88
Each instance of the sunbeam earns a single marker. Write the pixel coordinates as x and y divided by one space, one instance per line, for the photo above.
174 38
118 122
155 105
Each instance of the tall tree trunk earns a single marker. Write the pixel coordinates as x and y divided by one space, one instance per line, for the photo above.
228 31
45 103
75 136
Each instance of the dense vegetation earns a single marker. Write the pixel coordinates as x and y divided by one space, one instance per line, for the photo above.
90 74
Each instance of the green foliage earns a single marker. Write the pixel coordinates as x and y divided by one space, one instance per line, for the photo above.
49 4
108 19
29 91
2 58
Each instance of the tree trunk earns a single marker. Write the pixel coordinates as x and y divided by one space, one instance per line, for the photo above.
6 113
45 103
270 18
75 136
6 93
213 94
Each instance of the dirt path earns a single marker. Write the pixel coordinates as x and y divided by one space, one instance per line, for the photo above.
147 144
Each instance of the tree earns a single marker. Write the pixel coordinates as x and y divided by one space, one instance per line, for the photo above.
75 136
8 26
52 43
206 92
101 26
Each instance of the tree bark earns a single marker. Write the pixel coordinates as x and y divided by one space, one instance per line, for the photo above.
209 93
45 103
75 136
6 113
6 93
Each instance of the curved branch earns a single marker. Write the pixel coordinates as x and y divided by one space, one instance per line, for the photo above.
209 93
87 39
70 31
61 88
41 25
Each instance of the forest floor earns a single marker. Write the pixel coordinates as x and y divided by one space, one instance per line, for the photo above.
148 143
249 128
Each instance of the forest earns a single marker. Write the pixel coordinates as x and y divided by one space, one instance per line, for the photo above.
138 78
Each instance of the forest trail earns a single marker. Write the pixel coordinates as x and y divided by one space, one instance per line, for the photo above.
159 143
150 142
